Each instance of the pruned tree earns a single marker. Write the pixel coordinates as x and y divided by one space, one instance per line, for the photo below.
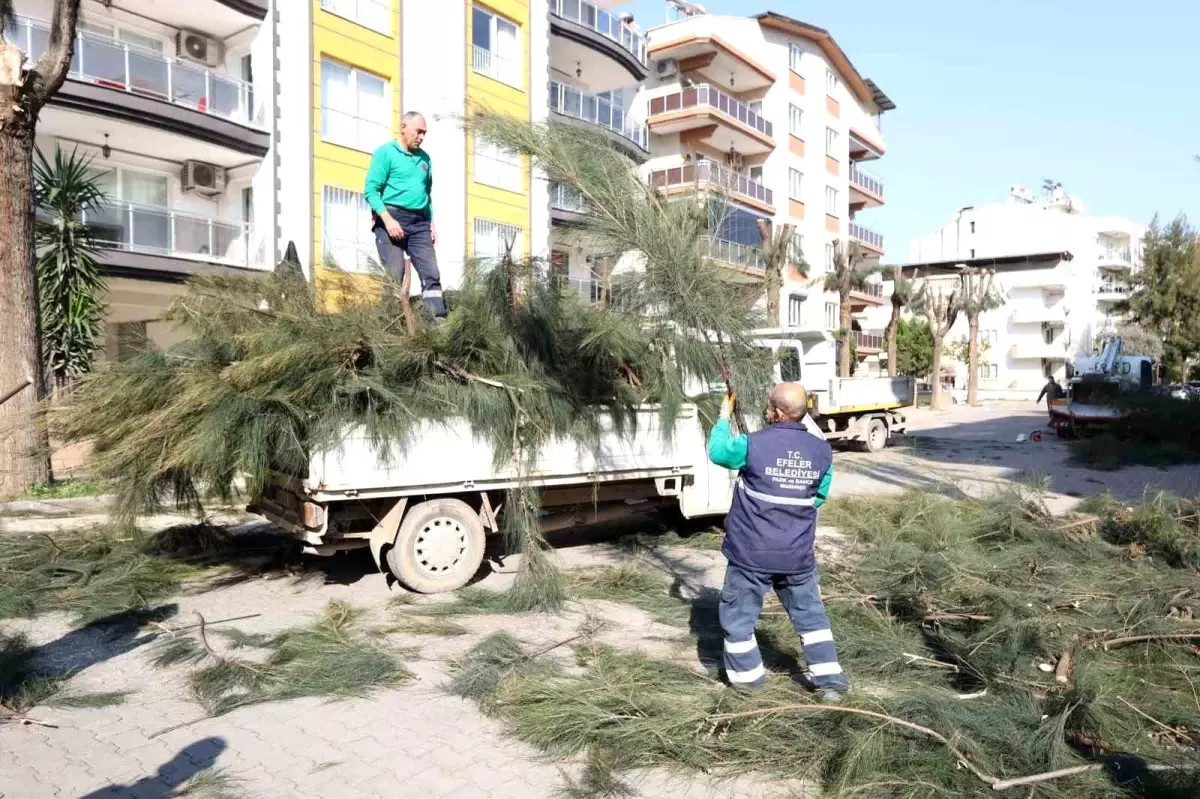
846 274
777 255
25 87
940 302
902 293
978 294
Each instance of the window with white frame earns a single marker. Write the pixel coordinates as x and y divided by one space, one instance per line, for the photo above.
831 316
795 310
493 239
795 53
831 83
831 201
373 14
347 241
796 121
497 166
829 253
796 185
831 142
496 43
356 107
795 249
988 371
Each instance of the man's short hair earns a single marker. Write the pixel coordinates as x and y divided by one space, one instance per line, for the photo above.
790 399
409 116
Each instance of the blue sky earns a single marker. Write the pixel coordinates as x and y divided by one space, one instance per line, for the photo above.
1102 95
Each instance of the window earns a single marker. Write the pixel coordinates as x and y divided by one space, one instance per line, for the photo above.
795 53
356 109
497 47
795 122
248 205
988 371
755 106
972 226
831 201
831 142
373 14
831 83
988 337
789 364
496 166
795 249
735 224
972 252
795 185
346 237
132 340
828 257
494 239
756 173
795 309
831 316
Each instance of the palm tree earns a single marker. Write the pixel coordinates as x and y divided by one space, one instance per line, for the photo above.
940 305
70 286
777 253
978 295
902 294
846 274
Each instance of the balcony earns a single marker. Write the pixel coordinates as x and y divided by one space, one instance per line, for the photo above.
865 147
1115 258
741 257
566 203
141 86
576 105
1046 315
490 65
608 52
712 176
868 343
866 190
702 54
866 237
157 231
872 294
1039 351
1111 291
709 116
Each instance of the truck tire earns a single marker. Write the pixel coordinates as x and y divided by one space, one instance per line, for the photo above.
439 547
877 435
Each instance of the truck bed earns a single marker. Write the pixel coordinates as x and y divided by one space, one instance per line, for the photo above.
862 394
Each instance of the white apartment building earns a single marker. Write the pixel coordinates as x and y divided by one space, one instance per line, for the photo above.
174 102
1059 270
772 110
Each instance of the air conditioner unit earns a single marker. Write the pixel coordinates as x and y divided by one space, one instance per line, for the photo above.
206 180
666 68
199 48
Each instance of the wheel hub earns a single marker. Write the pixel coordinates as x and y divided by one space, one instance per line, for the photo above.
440 545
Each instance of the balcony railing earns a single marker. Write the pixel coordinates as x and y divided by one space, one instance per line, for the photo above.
114 64
730 252
1112 287
155 230
603 22
865 181
705 95
709 173
571 102
496 66
871 290
566 198
866 235
869 341
1116 255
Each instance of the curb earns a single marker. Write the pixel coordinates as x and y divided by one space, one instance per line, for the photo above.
57 506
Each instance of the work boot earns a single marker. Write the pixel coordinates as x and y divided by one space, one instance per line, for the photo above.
830 695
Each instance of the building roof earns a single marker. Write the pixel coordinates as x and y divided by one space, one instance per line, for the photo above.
1036 260
865 90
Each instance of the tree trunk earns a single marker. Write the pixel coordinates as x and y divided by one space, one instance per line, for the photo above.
893 333
21 363
973 360
935 400
844 355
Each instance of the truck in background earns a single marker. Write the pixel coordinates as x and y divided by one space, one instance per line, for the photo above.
1096 387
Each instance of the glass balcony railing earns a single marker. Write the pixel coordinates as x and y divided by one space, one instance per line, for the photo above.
869 341
866 235
572 102
865 181
161 231
566 198
108 62
1112 287
730 252
709 173
603 22
704 95
1119 255
871 290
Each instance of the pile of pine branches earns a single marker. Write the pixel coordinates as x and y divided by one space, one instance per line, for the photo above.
992 645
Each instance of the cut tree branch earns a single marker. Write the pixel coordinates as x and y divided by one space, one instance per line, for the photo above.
51 69
1141 639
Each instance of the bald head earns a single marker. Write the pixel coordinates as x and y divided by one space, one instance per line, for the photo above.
789 401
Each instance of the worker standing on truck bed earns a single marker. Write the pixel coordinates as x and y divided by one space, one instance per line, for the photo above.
784 474
398 186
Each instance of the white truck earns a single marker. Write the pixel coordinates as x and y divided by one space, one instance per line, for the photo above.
425 508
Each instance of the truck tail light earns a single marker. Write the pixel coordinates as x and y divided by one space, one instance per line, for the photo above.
312 515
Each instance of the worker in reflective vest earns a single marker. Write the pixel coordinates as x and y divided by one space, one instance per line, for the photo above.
784 474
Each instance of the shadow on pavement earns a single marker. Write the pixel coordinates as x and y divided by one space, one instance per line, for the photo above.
190 761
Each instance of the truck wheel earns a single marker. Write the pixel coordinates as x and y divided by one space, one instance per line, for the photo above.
877 436
439 547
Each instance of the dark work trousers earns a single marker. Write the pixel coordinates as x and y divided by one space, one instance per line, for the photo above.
741 604
418 243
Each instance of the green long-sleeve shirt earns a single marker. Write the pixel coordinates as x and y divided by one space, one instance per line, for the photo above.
726 450
400 178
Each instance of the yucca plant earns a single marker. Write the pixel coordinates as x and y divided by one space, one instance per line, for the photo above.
70 286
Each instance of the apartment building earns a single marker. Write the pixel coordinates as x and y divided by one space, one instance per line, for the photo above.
1060 271
174 104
